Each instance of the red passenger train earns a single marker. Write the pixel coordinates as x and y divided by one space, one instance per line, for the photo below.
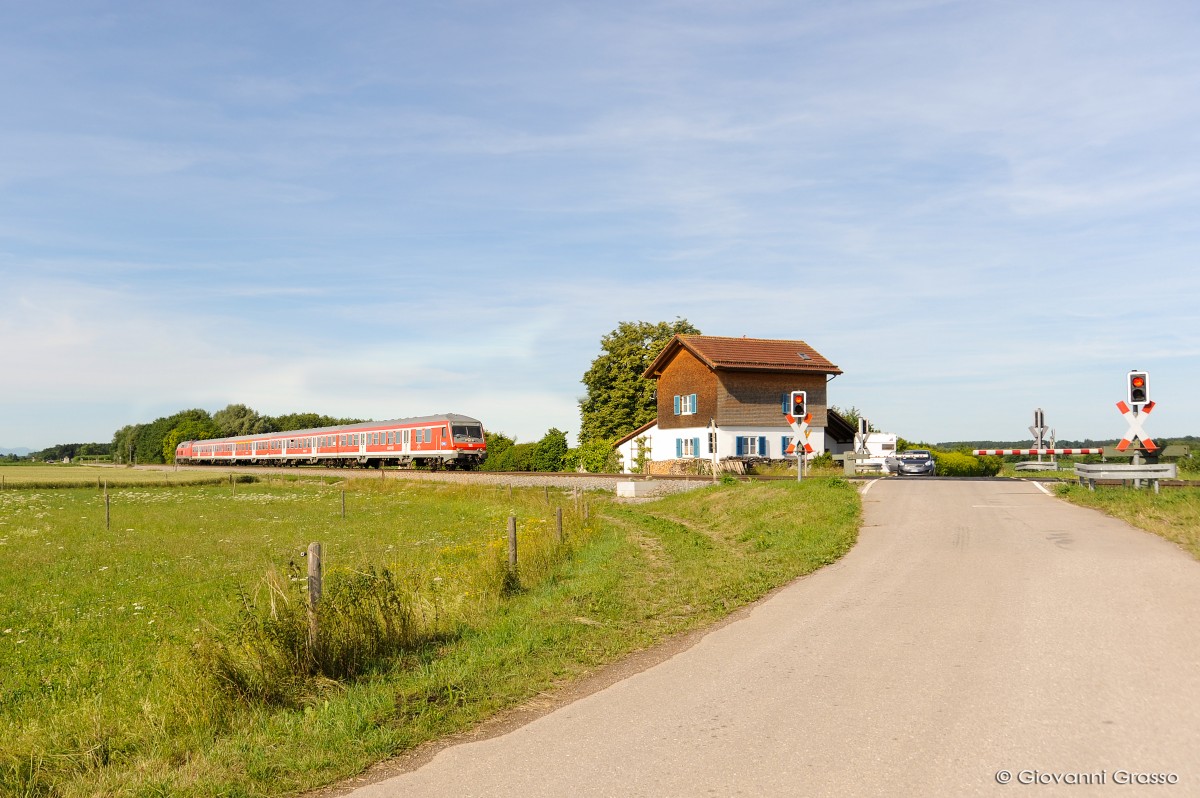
448 440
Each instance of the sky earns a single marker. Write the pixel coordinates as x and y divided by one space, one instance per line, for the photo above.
380 209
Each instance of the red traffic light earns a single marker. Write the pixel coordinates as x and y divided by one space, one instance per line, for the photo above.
1139 388
798 404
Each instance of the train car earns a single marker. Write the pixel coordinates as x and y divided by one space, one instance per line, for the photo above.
443 441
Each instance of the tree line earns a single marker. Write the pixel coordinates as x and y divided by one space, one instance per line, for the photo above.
156 442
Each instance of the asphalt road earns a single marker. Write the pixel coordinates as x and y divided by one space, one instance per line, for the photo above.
977 629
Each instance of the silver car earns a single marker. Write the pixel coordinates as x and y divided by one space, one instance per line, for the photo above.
915 462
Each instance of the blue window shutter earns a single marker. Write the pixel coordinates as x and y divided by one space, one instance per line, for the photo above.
695 447
741 446
678 445
783 403
695 404
676 405
762 446
783 442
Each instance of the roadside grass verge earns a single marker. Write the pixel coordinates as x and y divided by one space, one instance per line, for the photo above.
1174 513
108 685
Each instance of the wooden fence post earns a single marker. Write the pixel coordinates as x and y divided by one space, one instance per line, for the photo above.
558 523
512 544
546 493
343 504
107 512
314 593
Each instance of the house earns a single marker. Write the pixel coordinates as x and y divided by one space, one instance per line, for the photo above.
738 387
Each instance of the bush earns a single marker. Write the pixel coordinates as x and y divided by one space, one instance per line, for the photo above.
517 457
364 620
959 464
596 457
823 460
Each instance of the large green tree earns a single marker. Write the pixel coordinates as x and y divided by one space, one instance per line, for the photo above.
238 419
188 430
618 399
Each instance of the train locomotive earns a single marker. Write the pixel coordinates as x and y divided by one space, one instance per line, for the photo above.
446 441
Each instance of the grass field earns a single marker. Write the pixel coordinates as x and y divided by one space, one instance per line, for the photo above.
40 475
105 689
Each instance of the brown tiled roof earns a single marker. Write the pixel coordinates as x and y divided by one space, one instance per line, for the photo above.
745 354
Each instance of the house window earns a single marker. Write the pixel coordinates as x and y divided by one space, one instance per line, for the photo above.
752 446
685 405
687 447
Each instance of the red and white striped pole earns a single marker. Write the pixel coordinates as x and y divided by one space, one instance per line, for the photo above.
1001 452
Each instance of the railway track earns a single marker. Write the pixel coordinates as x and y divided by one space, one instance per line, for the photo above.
573 478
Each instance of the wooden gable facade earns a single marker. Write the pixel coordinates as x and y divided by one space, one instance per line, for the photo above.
737 382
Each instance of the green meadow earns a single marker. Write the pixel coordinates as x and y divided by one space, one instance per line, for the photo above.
165 654
23 476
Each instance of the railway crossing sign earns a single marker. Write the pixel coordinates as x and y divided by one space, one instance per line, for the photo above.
860 437
798 404
1039 428
1136 429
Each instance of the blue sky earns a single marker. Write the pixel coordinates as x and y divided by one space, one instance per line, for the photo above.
390 209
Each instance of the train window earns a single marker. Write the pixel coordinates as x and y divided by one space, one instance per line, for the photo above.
468 432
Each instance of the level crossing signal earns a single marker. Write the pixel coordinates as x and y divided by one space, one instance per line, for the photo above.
1139 388
798 404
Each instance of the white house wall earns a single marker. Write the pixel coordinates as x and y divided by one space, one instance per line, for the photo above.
662 443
